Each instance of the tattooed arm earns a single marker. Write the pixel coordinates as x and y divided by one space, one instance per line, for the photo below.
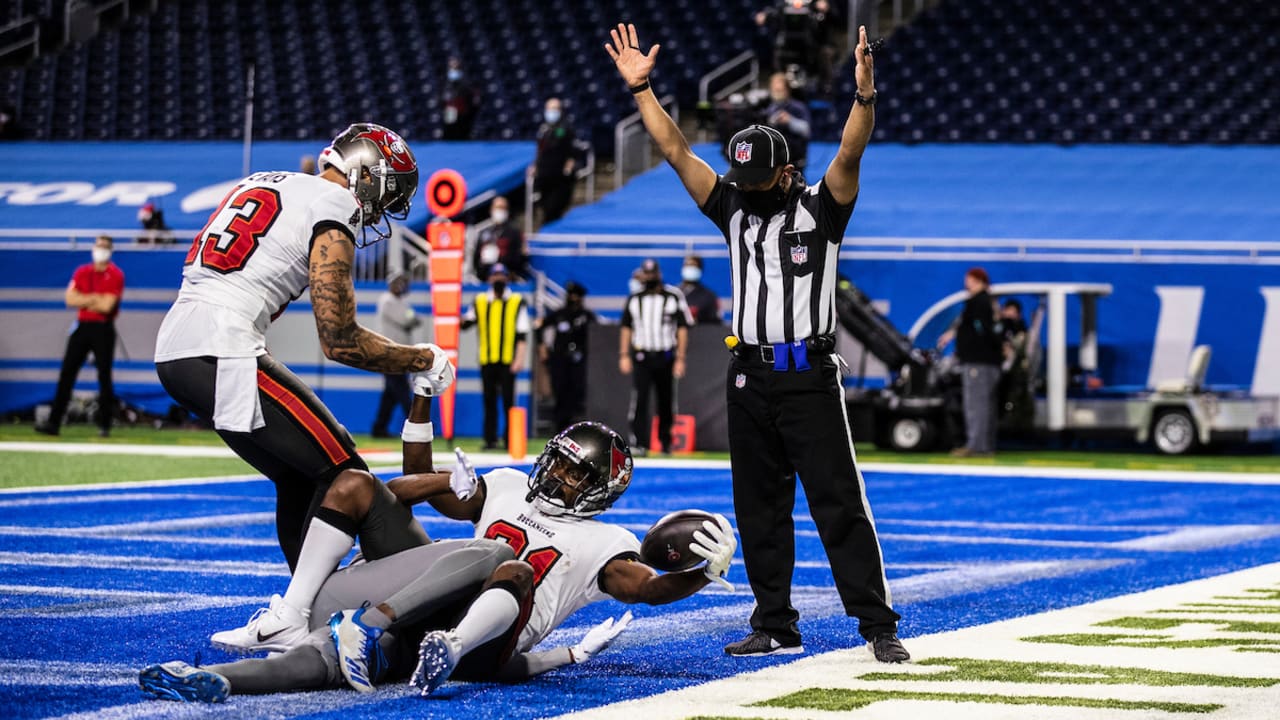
333 300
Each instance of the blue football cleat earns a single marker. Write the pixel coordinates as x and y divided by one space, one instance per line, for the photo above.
183 683
359 655
437 657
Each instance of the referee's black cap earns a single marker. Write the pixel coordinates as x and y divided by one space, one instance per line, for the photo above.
755 153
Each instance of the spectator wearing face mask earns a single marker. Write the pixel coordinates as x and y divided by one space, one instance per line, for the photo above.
95 291
564 350
555 162
703 303
500 242
461 103
789 117
152 220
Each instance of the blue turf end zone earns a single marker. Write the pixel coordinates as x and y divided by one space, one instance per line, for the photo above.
100 582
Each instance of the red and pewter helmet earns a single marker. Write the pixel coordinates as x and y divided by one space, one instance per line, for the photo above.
381 173
588 458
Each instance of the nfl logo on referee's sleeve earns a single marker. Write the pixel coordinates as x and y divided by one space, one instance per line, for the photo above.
799 254
740 381
742 152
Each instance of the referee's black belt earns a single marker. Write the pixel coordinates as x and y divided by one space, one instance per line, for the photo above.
788 355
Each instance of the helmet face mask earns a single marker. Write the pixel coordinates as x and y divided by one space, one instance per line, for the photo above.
581 473
381 173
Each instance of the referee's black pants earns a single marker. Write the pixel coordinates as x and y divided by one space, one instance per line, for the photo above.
100 339
781 424
652 371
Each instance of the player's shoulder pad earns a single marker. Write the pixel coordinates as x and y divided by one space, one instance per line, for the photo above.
503 478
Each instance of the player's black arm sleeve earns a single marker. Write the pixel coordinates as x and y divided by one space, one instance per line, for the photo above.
526 665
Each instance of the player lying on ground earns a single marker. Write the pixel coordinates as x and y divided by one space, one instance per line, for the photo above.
581 474
570 558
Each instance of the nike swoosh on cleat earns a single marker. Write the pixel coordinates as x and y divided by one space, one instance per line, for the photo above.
268 636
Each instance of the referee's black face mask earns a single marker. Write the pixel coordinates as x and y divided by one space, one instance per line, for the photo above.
772 200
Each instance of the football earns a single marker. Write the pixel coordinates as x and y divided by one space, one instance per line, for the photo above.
666 545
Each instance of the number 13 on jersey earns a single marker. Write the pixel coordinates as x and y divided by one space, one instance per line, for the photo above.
235 229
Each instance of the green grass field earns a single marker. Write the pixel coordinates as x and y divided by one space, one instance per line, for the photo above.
29 468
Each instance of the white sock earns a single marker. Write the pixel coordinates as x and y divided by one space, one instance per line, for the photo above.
487 618
322 549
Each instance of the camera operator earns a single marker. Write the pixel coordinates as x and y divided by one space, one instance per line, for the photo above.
802 43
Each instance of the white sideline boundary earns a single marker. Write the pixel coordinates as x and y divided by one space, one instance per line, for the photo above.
1005 640
382 461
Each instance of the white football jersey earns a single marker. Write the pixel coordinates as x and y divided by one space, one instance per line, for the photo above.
249 262
567 554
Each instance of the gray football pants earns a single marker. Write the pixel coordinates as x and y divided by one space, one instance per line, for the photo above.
416 584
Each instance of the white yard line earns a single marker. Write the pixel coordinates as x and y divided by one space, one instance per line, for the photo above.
389 459
145 563
115 603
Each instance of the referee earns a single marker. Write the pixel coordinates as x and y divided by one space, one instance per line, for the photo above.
651 348
786 408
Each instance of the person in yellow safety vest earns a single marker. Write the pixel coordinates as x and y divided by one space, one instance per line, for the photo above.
502 321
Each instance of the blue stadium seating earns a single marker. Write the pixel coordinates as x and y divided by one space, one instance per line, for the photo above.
179 73
1143 71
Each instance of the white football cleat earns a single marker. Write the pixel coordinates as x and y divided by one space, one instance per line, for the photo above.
437 657
180 682
275 628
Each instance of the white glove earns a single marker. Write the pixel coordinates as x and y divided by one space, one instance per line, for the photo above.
463 478
437 378
599 638
716 546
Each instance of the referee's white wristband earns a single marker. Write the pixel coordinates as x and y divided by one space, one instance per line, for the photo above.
418 432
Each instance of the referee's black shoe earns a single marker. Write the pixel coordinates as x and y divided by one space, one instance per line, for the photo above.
758 644
888 648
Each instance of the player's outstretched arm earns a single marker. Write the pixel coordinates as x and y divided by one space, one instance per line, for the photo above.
333 300
631 581
525 665
842 175
634 66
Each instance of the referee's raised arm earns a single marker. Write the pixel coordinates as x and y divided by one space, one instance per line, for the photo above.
842 175
634 66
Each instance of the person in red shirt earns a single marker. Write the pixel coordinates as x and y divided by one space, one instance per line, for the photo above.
95 289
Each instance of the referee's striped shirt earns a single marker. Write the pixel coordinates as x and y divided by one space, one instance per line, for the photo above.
784 266
654 317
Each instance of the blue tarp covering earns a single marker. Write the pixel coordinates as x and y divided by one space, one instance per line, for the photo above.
102 184
1002 191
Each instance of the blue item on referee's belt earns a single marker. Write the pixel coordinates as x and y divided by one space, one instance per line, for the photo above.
800 351
783 353
780 356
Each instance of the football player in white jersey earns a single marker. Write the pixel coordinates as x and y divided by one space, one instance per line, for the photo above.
564 553
544 518
275 234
